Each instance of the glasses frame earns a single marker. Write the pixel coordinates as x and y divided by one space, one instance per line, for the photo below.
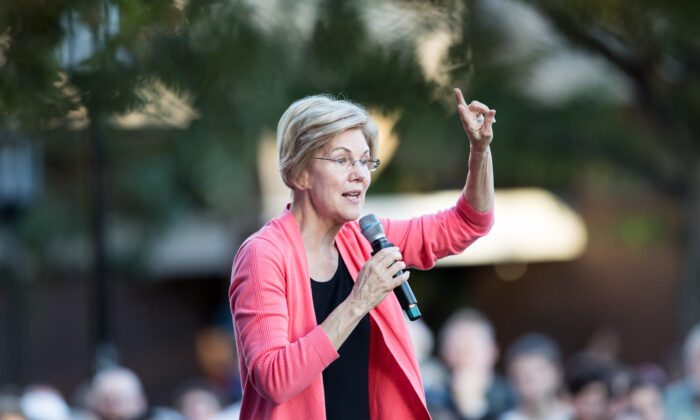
375 161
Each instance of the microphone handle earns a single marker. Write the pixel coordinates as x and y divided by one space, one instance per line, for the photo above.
403 292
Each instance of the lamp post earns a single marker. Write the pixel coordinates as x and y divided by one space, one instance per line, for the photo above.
20 182
82 42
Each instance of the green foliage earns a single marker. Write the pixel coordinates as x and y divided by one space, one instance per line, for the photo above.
241 73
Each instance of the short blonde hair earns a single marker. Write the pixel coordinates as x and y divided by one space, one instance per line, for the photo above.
309 124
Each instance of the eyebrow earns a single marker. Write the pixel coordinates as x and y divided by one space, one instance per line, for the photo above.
348 150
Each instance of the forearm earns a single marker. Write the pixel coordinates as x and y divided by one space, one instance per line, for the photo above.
479 186
341 322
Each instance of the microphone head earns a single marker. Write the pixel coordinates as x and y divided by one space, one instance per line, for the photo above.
371 227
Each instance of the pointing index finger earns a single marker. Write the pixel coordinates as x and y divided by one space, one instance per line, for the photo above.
460 97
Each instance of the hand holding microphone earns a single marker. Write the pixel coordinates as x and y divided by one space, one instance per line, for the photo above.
373 230
378 277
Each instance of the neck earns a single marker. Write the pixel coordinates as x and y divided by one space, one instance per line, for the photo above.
469 389
317 233
541 409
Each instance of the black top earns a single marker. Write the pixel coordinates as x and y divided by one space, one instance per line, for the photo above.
346 379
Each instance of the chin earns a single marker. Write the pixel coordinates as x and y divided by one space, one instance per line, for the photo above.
352 214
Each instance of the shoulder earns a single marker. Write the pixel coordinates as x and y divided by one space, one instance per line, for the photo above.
266 240
272 244
678 391
274 235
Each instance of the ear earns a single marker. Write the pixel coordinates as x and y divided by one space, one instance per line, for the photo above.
301 180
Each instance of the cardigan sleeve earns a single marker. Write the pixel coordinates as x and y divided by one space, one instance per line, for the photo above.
423 240
278 368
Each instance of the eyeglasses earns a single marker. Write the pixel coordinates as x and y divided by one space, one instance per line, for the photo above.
344 163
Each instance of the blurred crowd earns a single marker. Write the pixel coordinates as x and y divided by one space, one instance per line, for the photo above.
460 377
536 383
117 392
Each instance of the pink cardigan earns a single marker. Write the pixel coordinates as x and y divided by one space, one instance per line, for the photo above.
281 348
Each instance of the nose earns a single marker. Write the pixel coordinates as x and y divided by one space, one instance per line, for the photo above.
357 171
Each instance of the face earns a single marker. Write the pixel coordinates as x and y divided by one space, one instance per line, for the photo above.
468 345
199 405
647 402
534 378
338 194
591 403
120 402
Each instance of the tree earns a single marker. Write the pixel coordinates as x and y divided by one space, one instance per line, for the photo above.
657 47
654 136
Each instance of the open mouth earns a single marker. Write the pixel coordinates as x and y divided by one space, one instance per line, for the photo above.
353 196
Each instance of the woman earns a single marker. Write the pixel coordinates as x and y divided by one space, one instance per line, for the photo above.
312 343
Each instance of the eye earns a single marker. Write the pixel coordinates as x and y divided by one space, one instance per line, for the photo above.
364 161
341 161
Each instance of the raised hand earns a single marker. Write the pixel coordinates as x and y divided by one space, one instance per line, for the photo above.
477 120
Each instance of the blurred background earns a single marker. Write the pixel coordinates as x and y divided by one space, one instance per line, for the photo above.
137 152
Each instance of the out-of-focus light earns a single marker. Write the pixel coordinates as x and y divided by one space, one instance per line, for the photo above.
163 108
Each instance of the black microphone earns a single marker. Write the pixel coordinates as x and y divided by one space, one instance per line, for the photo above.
373 230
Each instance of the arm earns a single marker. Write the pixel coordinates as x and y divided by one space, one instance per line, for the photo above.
477 121
478 190
278 368
424 240
374 282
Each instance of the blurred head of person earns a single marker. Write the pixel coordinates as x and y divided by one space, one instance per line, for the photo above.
422 339
467 342
198 402
216 353
534 368
645 399
588 384
117 394
11 415
604 345
215 348
327 148
10 408
691 355
41 402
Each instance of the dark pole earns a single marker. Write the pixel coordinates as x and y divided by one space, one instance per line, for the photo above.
15 304
105 353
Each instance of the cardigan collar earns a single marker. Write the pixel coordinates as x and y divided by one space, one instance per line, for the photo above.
291 226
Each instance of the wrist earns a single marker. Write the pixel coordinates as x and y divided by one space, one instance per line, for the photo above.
355 308
478 151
